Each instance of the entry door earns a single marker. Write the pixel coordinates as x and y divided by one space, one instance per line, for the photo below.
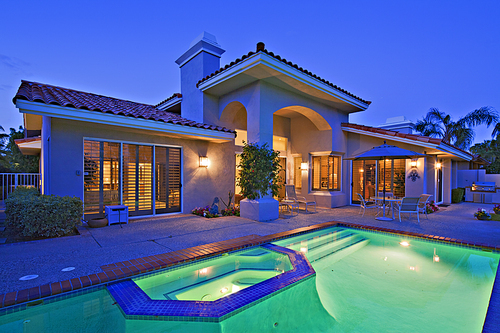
168 180
282 174
440 184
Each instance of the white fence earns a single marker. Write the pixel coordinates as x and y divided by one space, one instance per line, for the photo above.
9 182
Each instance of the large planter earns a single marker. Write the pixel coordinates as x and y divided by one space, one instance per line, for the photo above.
483 218
98 222
263 209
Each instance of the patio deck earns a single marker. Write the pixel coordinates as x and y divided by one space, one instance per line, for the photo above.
95 250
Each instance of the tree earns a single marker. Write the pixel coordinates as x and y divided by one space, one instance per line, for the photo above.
459 133
12 159
490 151
260 167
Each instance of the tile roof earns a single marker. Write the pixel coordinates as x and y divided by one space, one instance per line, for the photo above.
377 130
175 95
48 94
27 140
261 48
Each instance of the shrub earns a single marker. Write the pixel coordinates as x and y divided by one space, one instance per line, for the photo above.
431 207
231 211
36 215
496 209
457 194
260 167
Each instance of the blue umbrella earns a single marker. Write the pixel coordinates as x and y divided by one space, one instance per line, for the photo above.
384 152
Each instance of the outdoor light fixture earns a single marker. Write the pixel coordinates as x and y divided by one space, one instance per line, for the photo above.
204 162
304 166
413 163
438 165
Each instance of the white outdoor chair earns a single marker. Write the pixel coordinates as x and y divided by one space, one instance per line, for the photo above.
380 202
364 204
409 205
422 204
291 195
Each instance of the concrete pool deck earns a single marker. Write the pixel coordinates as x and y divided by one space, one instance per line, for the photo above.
95 248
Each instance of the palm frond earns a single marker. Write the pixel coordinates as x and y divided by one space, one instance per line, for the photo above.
482 116
461 137
428 128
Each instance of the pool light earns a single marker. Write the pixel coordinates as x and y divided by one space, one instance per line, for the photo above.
204 271
224 290
435 258
404 243
303 249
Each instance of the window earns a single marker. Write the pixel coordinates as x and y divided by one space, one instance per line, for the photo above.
279 142
326 173
297 176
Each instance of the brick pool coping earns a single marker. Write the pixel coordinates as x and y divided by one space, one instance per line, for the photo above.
125 269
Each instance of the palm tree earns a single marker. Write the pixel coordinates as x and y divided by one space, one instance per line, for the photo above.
458 133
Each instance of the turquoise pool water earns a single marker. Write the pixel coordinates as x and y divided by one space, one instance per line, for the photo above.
365 282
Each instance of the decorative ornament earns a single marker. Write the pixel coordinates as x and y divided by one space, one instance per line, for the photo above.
413 175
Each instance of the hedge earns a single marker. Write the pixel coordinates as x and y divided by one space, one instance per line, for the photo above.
457 194
36 215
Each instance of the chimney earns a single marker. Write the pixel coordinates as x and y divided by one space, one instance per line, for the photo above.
398 124
201 59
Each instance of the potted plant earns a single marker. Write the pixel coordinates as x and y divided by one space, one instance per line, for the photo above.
259 181
482 214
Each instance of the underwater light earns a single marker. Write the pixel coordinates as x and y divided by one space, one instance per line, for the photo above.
404 243
303 249
224 290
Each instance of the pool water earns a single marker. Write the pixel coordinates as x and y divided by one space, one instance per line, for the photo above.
213 279
365 282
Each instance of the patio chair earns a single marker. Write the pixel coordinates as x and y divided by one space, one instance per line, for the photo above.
422 204
409 205
380 202
365 204
291 195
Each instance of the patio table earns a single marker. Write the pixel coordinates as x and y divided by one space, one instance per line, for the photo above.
392 200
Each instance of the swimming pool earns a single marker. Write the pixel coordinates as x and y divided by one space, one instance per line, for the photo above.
364 282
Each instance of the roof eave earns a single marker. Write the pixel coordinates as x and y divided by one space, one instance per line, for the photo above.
122 121
261 58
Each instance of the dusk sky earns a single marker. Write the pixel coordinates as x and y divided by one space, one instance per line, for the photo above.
404 56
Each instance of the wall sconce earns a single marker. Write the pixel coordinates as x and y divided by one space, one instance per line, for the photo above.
438 165
204 162
304 166
413 163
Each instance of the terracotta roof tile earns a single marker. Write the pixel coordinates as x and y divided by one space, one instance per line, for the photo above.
261 48
175 95
415 137
44 93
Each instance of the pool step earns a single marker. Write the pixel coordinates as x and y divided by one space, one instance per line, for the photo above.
329 254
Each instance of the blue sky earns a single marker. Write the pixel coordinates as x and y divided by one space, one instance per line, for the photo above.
404 56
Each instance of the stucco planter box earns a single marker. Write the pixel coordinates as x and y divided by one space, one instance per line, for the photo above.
263 209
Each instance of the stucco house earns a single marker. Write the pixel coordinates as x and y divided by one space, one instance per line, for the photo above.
111 151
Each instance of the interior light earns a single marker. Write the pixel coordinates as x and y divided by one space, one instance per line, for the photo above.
224 290
361 170
303 249
404 243
304 166
204 162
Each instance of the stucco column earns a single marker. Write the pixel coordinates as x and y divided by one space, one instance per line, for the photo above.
45 154
260 131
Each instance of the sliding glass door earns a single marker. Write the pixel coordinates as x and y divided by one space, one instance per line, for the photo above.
149 181
168 180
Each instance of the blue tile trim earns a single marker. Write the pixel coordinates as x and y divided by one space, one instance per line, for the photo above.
136 304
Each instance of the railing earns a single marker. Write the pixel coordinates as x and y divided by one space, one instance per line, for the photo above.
10 181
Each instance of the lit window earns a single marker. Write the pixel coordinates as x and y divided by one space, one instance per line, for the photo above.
297 172
326 173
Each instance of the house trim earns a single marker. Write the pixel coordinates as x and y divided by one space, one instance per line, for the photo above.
122 121
268 61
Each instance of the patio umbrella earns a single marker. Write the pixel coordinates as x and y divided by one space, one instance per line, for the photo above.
384 152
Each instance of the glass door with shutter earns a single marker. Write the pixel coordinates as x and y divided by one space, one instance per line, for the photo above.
168 180
138 179
101 178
